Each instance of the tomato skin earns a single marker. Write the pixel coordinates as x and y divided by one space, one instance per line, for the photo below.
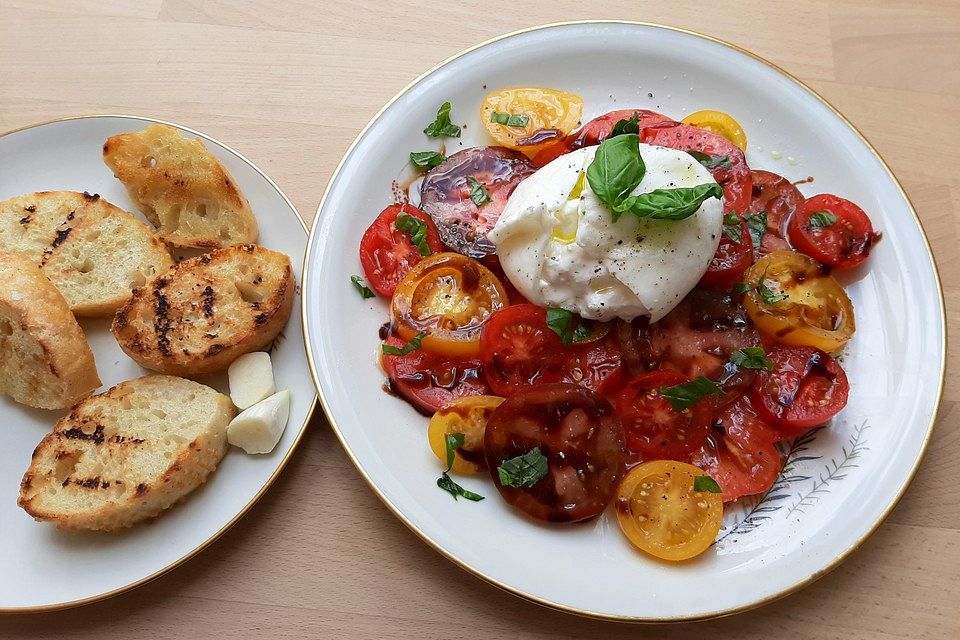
595 132
844 244
805 388
730 260
735 180
579 434
779 199
428 380
740 453
387 255
518 349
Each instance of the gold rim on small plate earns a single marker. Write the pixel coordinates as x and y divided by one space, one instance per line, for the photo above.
283 463
528 596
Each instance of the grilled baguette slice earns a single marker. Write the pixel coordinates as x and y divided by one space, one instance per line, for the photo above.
93 251
181 187
127 454
45 360
207 311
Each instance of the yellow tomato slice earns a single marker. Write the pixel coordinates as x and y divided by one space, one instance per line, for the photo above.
662 514
816 312
719 123
448 296
546 116
468 416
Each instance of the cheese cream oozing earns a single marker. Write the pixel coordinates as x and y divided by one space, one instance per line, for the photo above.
568 252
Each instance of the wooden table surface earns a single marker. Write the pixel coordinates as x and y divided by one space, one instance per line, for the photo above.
289 84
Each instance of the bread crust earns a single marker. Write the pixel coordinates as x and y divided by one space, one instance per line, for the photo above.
45 361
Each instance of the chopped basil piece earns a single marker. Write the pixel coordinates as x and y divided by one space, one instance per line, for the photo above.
509 119
523 471
412 345
706 484
416 229
671 204
742 287
478 193
442 126
757 225
686 394
630 125
768 295
426 159
560 322
732 227
822 219
453 442
364 290
446 483
711 162
751 358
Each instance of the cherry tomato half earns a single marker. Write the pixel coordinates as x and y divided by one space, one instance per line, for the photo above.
518 349
595 132
843 243
661 513
468 416
550 115
779 199
805 388
387 254
816 311
732 258
448 296
578 433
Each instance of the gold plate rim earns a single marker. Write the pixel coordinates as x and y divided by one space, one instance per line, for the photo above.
554 605
280 467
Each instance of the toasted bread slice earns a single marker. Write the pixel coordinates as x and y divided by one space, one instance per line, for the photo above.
126 455
181 187
45 360
207 311
93 251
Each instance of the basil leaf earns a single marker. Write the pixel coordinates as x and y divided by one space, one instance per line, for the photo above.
751 358
706 484
582 332
671 204
442 126
453 442
683 395
711 162
630 125
416 229
509 119
742 287
560 322
822 219
523 471
478 193
732 227
412 345
426 159
364 290
768 295
616 170
446 483
757 225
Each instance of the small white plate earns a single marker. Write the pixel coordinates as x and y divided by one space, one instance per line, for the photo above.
41 568
838 485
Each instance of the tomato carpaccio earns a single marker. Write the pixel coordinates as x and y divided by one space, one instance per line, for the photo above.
595 132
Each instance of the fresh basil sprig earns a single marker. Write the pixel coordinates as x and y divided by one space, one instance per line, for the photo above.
454 441
416 229
412 345
706 484
364 290
630 125
523 471
442 126
822 219
751 358
709 161
560 322
509 119
686 394
478 193
426 159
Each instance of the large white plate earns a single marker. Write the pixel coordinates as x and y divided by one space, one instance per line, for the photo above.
839 485
41 568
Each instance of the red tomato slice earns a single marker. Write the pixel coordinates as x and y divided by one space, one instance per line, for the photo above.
579 434
805 388
730 261
779 199
841 245
518 349
740 454
445 195
595 132
735 180
654 429
428 380
589 364
387 254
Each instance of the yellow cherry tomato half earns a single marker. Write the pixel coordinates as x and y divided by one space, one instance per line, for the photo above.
816 311
530 118
468 416
719 123
448 297
662 514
